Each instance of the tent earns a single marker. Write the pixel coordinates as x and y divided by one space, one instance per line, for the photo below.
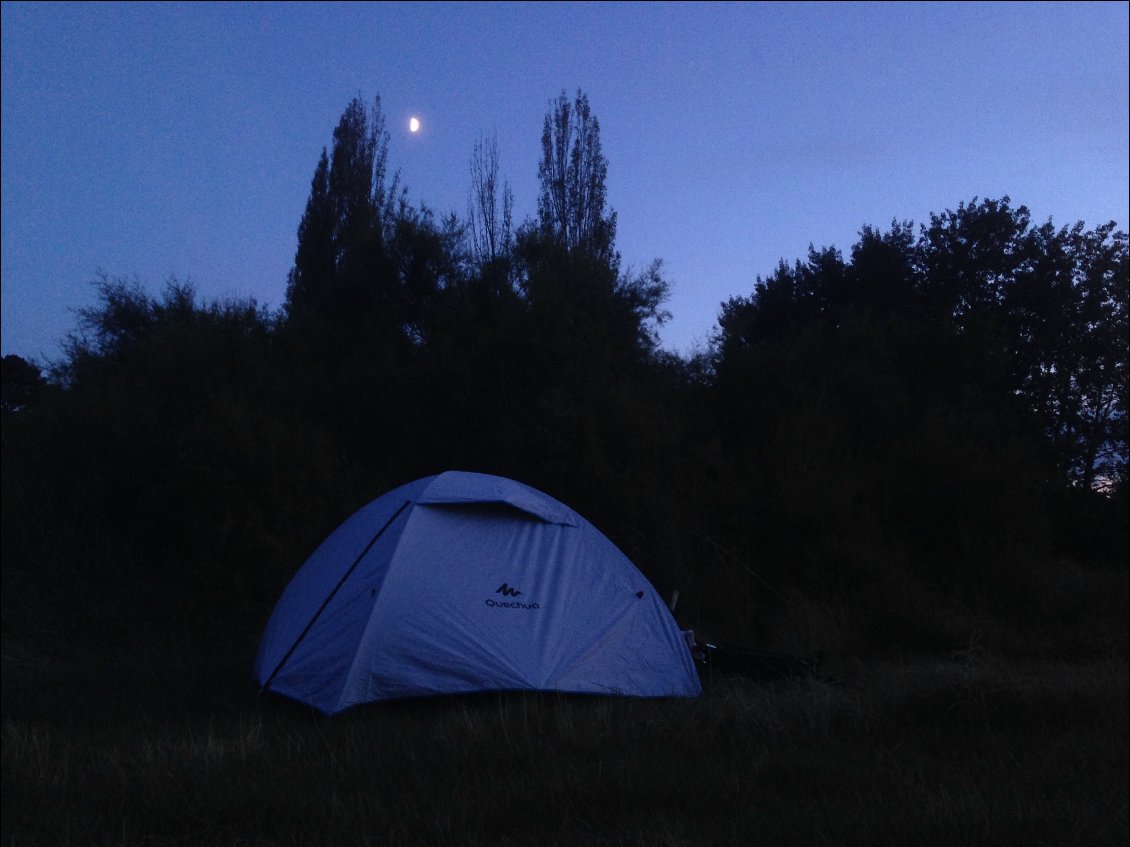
468 582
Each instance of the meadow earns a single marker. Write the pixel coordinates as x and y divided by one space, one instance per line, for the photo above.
175 746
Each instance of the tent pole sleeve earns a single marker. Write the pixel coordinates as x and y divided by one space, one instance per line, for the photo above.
331 595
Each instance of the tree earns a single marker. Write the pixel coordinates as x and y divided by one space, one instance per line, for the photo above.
20 383
1046 311
347 222
568 267
1065 320
490 206
944 403
572 173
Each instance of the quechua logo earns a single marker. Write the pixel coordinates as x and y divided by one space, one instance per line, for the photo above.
509 591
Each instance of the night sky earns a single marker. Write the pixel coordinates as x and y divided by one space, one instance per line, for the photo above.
150 141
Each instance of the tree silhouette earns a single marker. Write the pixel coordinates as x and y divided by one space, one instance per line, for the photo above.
887 431
20 383
572 175
490 206
342 238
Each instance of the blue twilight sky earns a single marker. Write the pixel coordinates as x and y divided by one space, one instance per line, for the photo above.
152 140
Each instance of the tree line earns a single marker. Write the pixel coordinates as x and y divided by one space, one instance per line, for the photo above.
871 444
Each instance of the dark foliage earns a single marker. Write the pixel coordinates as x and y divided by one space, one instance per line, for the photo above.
880 452
21 383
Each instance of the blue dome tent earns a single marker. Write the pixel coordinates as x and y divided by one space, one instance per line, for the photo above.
467 582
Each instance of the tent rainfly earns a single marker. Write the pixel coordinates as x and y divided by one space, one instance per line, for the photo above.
467 582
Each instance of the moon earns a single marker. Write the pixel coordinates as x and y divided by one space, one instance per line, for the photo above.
413 124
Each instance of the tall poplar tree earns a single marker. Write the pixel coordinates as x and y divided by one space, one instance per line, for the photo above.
344 230
572 173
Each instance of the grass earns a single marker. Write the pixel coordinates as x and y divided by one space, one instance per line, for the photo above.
178 749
